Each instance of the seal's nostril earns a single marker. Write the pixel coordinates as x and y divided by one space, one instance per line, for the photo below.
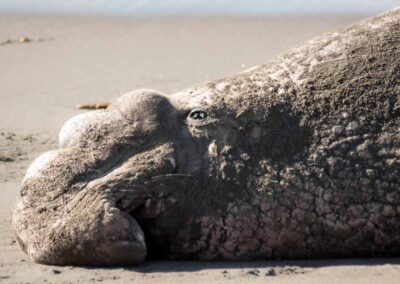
172 161
147 204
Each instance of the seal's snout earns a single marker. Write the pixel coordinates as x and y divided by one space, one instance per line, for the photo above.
79 203
89 205
60 206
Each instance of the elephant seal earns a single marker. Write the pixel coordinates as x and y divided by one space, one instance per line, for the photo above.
296 158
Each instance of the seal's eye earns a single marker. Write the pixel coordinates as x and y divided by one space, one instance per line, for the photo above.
198 115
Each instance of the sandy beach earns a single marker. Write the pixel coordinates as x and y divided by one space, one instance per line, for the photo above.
66 61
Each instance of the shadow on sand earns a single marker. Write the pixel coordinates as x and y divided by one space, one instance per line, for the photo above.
195 266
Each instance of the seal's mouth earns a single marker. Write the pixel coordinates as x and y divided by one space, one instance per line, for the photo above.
149 199
139 185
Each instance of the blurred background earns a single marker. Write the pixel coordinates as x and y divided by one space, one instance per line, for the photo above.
197 7
57 54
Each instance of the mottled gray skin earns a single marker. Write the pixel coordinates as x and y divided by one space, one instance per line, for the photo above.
298 158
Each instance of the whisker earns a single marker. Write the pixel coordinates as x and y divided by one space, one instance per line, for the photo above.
147 186
135 189
167 176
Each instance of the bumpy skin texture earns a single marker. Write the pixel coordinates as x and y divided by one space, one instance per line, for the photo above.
297 158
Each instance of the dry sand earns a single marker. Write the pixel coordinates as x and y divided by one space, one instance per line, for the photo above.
81 60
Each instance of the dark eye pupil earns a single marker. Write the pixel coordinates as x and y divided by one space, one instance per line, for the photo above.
198 115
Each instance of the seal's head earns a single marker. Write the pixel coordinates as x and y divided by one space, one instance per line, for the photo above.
273 162
147 159
150 162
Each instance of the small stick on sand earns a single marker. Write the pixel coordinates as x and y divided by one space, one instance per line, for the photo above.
24 40
93 106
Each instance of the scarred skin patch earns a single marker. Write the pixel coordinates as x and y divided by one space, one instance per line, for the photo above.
296 158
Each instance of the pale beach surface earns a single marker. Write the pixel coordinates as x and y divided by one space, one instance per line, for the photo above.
73 60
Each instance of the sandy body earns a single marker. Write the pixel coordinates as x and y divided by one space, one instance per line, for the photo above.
297 158
55 107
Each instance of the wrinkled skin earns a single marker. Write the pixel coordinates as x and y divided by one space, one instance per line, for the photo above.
297 158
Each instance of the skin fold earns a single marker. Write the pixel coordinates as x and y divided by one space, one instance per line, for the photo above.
295 158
